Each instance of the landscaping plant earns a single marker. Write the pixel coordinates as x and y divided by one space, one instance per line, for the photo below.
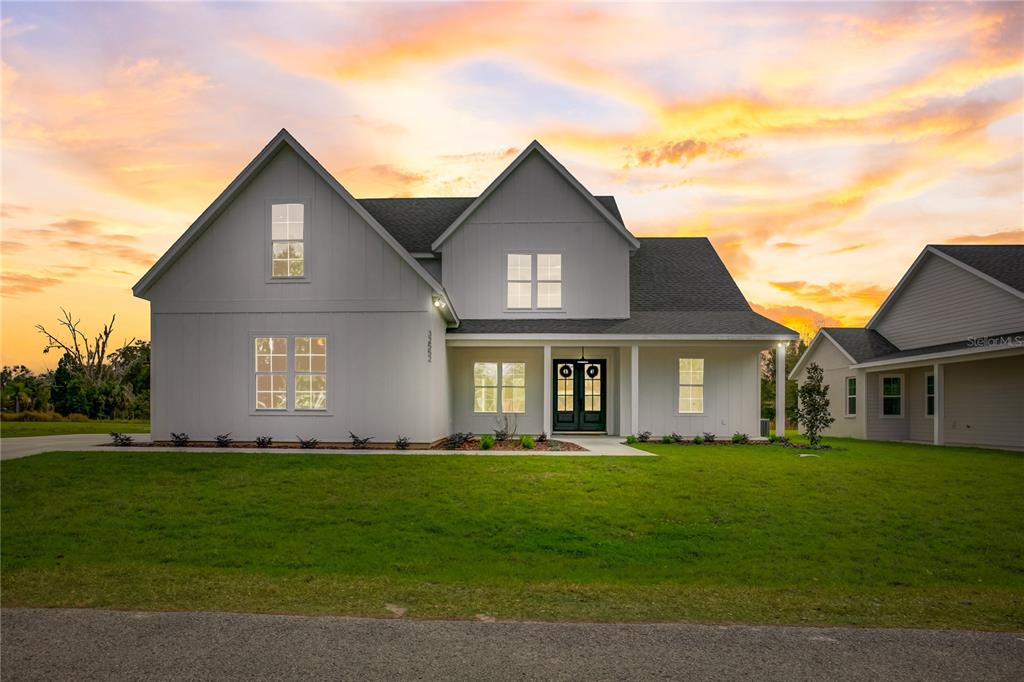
357 442
458 439
264 441
812 410
179 439
676 438
308 443
667 440
224 440
643 436
698 440
121 439
708 437
527 442
740 438
402 443
486 441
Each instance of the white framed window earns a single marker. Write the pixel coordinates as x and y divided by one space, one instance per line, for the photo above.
485 387
691 385
851 396
513 387
287 241
533 281
929 395
508 393
271 373
549 280
520 281
310 372
892 395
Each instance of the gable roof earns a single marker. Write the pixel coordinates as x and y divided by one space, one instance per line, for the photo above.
282 139
536 147
857 344
1001 265
417 222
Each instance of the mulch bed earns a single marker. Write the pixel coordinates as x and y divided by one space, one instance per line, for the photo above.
513 445
474 444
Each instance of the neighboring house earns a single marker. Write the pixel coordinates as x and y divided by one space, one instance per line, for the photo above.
942 360
290 308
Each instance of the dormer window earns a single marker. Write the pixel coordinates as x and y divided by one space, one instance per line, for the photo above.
287 241
534 277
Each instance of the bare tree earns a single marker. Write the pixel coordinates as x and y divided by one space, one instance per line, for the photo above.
89 356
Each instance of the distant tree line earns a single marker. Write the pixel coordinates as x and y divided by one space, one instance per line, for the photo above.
88 380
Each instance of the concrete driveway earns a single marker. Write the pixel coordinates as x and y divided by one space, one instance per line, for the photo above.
50 644
14 448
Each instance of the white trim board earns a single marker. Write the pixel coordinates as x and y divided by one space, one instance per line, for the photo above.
536 146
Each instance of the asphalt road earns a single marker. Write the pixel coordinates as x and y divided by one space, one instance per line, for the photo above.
54 644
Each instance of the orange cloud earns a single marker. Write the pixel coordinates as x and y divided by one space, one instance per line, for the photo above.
1006 237
16 283
833 292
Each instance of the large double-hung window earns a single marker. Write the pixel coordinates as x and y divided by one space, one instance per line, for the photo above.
499 384
533 281
291 373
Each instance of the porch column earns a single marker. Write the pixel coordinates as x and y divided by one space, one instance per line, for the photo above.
548 390
940 403
634 388
780 389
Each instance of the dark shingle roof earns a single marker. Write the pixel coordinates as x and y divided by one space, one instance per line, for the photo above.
861 344
997 341
681 273
1002 262
415 223
682 322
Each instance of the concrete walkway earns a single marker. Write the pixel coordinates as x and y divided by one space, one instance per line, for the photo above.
596 446
52 644
14 448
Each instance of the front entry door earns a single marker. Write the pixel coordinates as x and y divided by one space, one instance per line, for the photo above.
579 403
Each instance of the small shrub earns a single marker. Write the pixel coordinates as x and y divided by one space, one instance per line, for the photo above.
308 443
401 443
76 417
676 438
698 440
527 442
224 440
358 442
264 441
643 436
555 445
631 440
542 438
180 439
709 437
121 440
487 441
740 438
458 439
667 440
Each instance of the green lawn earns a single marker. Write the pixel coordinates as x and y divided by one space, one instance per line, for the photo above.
22 429
874 534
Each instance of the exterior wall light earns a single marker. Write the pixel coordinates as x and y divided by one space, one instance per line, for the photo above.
439 302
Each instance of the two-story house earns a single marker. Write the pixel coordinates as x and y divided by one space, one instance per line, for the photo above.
291 308
941 361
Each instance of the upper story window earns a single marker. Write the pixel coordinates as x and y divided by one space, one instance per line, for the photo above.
287 241
520 280
534 277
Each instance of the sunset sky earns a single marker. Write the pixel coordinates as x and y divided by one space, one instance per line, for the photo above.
819 146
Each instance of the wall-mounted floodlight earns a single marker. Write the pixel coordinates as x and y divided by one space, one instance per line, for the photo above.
439 302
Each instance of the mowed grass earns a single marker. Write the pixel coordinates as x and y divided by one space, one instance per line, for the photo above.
873 534
10 429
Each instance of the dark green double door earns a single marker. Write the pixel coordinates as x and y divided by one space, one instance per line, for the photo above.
579 402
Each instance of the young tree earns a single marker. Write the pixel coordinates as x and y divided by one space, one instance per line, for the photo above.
812 411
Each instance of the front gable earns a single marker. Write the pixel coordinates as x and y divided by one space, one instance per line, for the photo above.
940 300
534 209
222 260
535 187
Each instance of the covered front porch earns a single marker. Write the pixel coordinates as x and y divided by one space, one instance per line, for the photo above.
607 386
958 398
